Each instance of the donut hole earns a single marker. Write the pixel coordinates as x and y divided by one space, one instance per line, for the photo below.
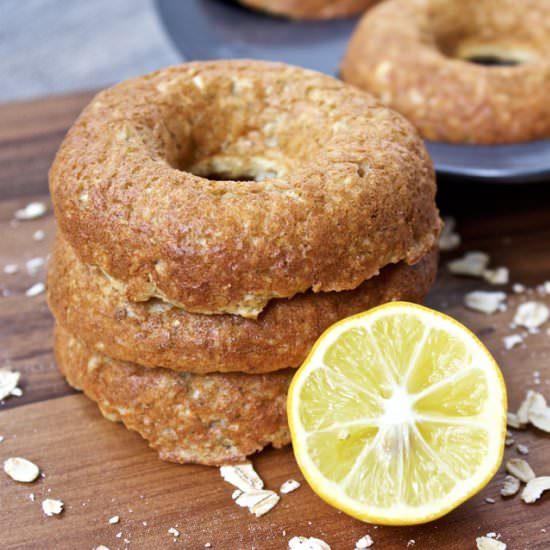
241 129
475 50
494 55
483 33
224 168
493 61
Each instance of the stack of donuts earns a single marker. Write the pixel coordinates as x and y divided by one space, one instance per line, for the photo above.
214 219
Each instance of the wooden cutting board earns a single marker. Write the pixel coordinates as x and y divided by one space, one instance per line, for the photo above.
101 470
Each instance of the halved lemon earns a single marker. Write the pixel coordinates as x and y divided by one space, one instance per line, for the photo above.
398 415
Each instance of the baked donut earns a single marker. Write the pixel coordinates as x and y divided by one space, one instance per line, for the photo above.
146 186
156 334
311 9
425 58
211 419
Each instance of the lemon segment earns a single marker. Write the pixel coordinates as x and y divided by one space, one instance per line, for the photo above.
398 415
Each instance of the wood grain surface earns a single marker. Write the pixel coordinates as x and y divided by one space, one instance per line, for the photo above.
99 469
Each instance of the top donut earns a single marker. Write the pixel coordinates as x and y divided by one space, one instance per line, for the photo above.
217 186
428 60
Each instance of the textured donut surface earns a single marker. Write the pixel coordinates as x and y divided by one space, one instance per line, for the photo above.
145 186
414 55
311 9
156 334
210 419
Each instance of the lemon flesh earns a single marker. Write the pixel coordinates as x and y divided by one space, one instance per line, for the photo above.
398 415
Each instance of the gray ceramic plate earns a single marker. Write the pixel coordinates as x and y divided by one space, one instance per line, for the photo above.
218 29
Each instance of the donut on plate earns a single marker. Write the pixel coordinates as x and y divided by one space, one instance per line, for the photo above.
157 334
218 186
311 9
463 71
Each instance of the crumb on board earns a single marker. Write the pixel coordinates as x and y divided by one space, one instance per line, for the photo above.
8 382
484 301
521 469
531 314
35 290
289 486
489 543
534 488
20 469
52 506
364 542
31 211
307 543
510 486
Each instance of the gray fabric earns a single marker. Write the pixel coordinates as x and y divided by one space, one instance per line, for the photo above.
58 46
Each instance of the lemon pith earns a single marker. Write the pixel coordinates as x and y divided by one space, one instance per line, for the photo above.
398 415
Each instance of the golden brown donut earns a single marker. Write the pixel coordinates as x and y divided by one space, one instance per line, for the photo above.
346 187
156 334
413 55
210 419
311 9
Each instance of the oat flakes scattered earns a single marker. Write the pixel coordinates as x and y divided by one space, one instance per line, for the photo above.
520 469
289 486
258 501
243 476
35 290
411 543
52 506
34 264
32 211
39 235
534 489
208 545
1 438
518 288
364 542
539 412
487 543
512 421
525 407
512 341
101 547
484 301
21 469
522 449
8 382
490 500
473 264
449 239
174 532
10 269
498 276
510 486
114 520
305 543
531 314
